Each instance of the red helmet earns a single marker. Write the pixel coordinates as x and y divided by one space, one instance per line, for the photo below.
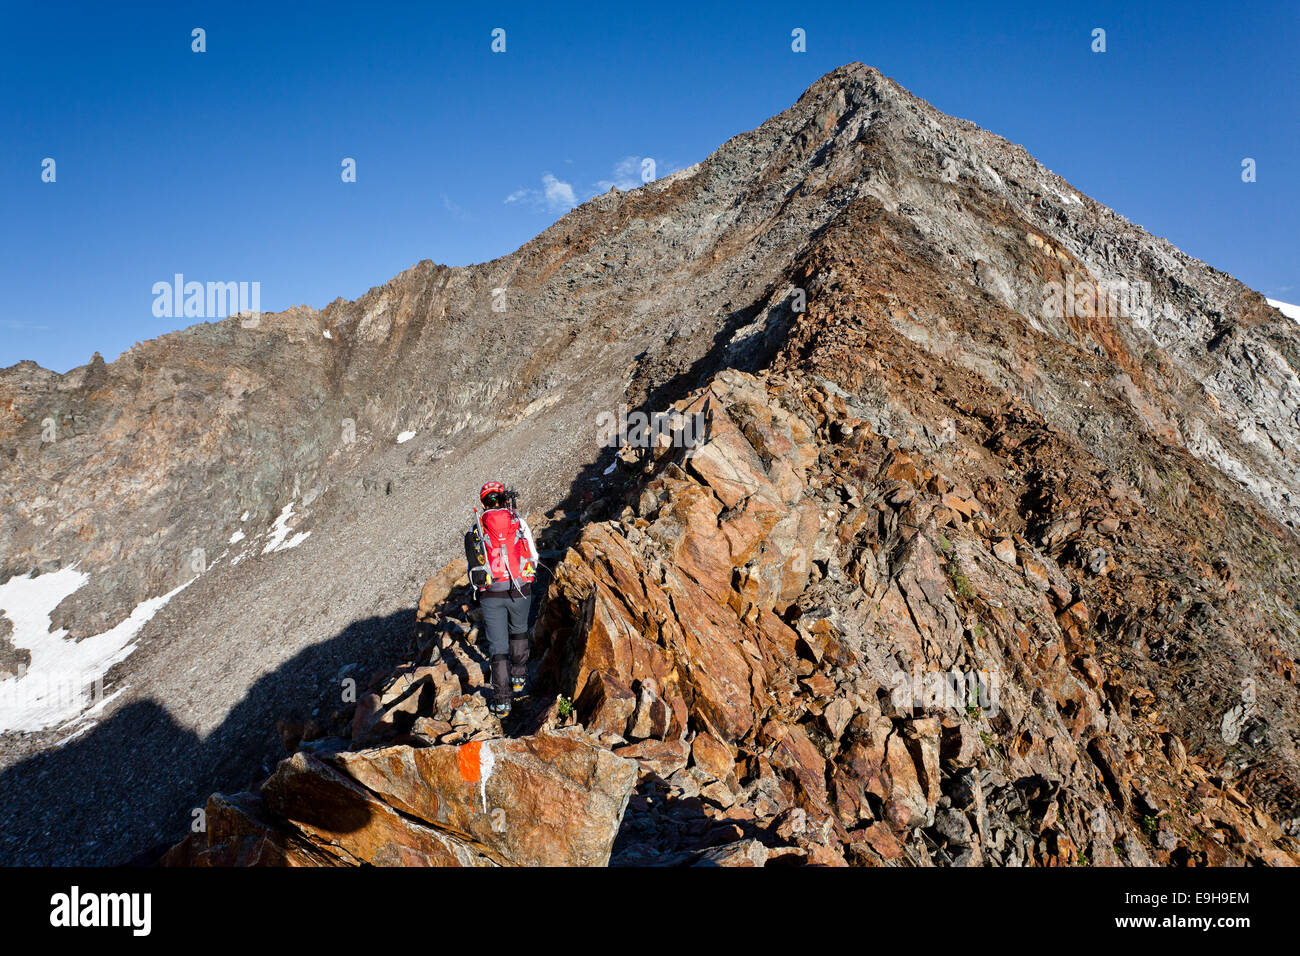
489 488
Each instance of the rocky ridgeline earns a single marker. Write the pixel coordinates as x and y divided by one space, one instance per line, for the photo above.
754 661
133 467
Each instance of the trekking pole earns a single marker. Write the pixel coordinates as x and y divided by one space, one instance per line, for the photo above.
482 546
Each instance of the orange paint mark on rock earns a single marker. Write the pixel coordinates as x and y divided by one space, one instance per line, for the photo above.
467 758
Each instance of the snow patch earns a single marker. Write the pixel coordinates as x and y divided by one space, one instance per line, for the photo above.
327 335
280 531
1286 308
57 686
405 437
89 719
237 537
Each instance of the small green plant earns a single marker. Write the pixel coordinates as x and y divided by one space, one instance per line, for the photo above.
973 710
960 582
564 706
1150 824
944 544
1082 859
986 738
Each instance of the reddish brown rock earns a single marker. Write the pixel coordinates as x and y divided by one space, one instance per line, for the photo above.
661 757
605 704
238 832
712 756
549 800
741 853
340 818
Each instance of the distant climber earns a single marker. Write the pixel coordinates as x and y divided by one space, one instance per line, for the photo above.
502 558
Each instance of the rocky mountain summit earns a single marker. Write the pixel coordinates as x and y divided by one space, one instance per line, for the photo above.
984 554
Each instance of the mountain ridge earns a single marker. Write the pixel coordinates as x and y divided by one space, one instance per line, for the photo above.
923 228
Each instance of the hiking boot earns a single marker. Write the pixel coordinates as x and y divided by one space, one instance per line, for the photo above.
500 708
500 682
518 661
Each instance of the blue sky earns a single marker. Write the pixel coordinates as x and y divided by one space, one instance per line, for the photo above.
225 165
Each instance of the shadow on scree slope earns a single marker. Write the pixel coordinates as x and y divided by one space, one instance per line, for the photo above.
129 785
125 790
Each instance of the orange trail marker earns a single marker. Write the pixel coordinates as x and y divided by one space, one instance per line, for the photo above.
467 758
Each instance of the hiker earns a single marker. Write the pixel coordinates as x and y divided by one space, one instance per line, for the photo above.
503 559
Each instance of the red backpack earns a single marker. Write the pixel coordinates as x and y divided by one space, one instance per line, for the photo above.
501 549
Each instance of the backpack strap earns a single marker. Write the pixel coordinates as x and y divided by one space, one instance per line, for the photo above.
482 547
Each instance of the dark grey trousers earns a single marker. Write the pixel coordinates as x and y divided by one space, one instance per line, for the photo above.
506 622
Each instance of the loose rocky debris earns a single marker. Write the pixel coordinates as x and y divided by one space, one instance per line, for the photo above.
810 636
798 643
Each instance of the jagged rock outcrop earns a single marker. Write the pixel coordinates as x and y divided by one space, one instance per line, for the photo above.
915 679
552 799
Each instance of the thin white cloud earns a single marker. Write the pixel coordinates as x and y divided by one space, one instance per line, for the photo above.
626 175
455 208
555 195
630 172
559 194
